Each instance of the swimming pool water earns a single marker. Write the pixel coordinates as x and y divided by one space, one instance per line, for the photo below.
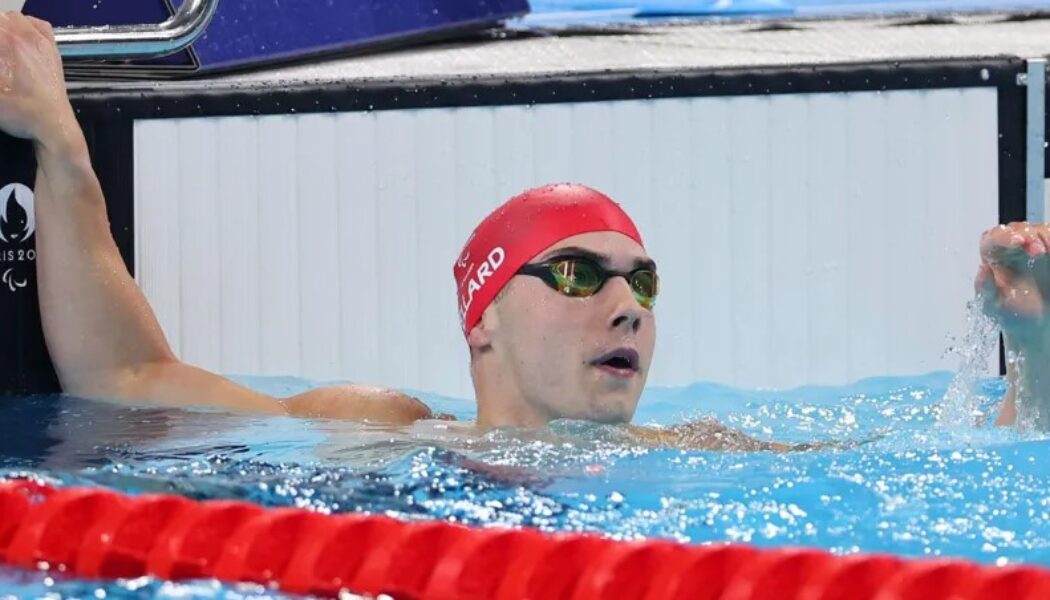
776 8
913 487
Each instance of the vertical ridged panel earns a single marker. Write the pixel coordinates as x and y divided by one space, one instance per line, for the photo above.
397 227
827 242
673 198
240 246
710 243
904 243
867 224
789 206
318 229
157 248
279 246
749 234
801 238
198 217
441 352
357 183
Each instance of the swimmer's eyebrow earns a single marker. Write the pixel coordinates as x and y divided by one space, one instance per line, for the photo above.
644 263
601 259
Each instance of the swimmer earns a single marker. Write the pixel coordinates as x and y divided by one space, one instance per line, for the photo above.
555 289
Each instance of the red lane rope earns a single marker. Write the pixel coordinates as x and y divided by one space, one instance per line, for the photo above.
97 533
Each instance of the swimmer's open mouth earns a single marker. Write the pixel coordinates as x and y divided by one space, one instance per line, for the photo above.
621 359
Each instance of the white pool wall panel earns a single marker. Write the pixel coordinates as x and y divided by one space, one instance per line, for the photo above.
801 239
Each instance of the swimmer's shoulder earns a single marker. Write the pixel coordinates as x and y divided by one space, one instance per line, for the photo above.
354 402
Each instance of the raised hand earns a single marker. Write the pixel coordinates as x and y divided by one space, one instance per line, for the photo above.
1014 279
33 101
1014 283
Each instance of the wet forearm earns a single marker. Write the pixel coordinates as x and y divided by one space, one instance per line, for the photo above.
96 321
1028 381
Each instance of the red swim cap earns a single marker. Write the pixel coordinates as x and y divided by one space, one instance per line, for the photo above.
520 229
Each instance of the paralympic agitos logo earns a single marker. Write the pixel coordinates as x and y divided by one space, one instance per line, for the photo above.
17 226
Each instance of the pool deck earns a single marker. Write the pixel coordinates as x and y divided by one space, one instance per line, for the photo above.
687 46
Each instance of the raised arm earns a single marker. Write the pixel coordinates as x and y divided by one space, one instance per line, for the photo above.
1014 284
101 333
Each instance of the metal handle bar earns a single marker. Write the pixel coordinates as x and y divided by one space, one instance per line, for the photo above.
138 41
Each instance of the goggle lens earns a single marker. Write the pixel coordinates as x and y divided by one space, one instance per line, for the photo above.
580 278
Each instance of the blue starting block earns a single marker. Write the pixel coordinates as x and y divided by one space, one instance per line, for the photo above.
247 33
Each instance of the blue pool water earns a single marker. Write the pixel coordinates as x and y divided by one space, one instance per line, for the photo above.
913 486
611 11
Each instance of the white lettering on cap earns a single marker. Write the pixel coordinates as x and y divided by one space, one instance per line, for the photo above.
488 268
496 257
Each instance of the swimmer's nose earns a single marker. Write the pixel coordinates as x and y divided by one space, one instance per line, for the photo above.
627 314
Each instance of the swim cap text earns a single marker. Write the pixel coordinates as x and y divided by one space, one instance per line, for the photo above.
485 271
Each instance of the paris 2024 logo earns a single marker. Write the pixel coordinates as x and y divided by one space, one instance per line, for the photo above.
17 226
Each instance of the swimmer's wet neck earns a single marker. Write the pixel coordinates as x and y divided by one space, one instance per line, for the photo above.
501 401
502 405
500 413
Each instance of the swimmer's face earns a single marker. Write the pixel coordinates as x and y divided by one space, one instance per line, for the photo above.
578 358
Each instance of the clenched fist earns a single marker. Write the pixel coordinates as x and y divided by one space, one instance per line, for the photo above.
1014 279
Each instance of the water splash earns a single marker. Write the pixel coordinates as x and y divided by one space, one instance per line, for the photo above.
962 403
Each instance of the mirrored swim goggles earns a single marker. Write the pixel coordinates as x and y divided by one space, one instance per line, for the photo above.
580 277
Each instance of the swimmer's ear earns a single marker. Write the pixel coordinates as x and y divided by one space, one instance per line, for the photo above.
480 337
